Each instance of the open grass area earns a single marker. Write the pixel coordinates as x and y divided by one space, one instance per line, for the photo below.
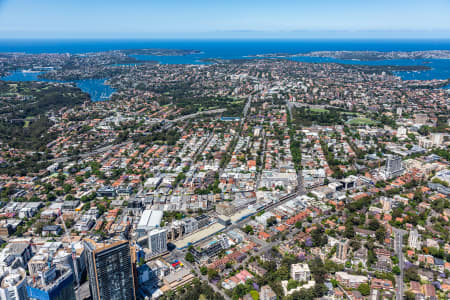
351 113
361 121
318 110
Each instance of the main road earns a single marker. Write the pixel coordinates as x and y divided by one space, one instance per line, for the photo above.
170 123
398 248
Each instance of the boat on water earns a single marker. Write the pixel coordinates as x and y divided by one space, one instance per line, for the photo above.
30 71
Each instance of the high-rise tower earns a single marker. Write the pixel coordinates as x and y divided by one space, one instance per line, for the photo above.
110 270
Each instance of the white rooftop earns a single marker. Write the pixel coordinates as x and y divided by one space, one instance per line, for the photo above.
150 219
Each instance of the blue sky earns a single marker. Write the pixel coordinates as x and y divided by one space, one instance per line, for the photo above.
226 19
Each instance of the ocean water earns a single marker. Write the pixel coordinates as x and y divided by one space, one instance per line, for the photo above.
221 48
237 49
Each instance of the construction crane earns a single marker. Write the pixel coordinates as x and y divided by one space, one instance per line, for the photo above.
74 255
